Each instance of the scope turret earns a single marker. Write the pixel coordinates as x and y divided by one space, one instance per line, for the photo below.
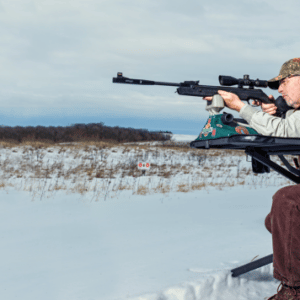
245 81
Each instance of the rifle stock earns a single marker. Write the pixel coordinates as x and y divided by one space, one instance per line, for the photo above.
208 91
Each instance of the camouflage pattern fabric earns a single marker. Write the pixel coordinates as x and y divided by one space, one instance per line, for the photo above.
290 67
214 128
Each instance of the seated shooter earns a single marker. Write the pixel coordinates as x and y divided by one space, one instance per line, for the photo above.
283 222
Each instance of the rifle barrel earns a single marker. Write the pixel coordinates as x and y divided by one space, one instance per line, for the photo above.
121 79
166 83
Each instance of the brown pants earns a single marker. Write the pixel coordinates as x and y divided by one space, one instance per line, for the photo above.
284 223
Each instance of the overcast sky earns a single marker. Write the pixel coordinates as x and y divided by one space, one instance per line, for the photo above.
58 57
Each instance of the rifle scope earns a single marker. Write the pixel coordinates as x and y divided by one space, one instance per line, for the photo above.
229 81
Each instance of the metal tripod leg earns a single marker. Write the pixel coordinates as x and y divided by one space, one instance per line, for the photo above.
267 162
252 265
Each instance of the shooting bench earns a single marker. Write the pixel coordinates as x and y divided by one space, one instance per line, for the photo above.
260 148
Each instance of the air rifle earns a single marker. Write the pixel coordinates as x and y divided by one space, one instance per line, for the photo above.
193 88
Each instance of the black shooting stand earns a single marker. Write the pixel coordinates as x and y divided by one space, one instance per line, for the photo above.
260 148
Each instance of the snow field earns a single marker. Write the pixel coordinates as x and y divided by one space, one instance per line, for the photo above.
164 246
173 234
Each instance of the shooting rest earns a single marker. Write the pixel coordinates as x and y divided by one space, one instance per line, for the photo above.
260 148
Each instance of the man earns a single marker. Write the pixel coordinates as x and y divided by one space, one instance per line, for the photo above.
284 219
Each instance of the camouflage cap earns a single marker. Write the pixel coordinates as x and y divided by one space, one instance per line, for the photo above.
290 67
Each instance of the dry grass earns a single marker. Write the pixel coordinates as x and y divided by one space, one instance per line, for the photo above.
92 167
183 188
169 145
198 186
142 190
162 188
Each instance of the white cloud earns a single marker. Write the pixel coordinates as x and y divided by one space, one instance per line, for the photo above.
66 52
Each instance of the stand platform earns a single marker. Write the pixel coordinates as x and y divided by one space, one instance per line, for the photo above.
240 142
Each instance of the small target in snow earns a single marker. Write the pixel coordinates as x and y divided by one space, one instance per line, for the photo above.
143 165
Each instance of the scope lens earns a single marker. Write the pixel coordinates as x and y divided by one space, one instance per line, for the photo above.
227 80
261 83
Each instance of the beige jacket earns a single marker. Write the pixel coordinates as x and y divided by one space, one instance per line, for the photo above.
269 125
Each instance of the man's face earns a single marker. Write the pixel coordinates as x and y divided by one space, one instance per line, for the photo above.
290 90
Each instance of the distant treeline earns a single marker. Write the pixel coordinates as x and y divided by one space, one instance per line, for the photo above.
81 132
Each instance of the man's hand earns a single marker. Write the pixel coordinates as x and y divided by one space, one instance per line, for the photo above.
266 108
231 100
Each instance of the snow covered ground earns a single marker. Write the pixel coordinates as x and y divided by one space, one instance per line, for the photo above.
153 246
